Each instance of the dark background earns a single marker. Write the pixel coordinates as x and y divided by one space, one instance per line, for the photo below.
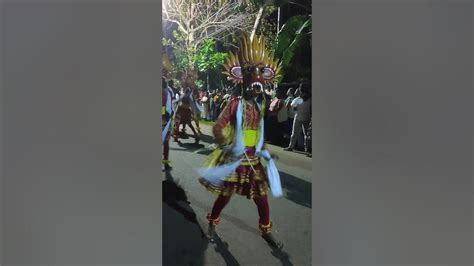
392 137
393 133
81 133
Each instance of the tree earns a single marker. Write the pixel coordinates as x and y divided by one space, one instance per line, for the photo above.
290 38
207 59
261 5
199 20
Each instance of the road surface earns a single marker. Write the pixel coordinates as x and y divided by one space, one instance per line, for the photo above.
186 204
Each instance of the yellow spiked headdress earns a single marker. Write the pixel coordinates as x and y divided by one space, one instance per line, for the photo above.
251 52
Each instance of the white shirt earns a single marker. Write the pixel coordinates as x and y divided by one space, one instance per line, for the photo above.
297 101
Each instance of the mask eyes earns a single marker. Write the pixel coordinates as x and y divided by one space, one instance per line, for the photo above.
268 73
236 72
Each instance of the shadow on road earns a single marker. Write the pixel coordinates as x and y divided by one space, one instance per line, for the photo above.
229 218
207 138
223 249
183 237
297 190
282 256
183 243
190 146
204 151
203 138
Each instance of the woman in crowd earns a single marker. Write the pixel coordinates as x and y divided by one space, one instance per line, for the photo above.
277 117
205 105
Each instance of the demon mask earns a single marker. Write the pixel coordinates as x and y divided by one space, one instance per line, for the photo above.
252 66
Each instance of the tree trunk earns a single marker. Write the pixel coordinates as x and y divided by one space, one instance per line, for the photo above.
257 22
278 21
190 49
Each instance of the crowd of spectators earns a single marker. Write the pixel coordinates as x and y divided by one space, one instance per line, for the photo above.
287 116
213 102
288 120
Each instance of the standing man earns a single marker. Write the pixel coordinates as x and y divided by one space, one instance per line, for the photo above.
290 96
277 116
302 118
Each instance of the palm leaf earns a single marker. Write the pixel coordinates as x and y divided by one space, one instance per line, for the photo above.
289 39
287 33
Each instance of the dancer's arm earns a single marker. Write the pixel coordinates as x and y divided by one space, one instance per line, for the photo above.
227 116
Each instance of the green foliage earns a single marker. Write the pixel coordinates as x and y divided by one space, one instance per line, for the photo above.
199 83
181 54
208 61
268 29
207 58
288 32
290 38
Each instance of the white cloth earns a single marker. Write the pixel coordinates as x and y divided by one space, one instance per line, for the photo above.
272 172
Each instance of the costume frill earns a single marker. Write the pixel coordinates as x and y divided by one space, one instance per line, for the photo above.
236 167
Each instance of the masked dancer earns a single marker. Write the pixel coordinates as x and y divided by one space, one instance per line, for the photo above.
186 110
235 167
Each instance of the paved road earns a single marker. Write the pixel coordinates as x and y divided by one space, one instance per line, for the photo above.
238 242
